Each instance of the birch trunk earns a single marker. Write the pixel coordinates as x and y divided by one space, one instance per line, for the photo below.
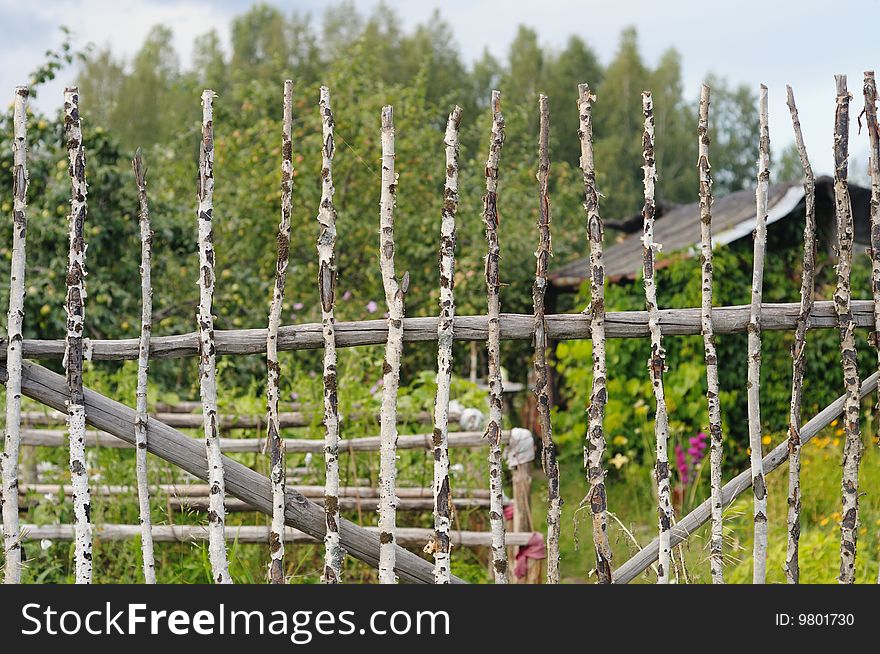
140 425
10 455
657 360
493 287
73 354
333 552
799 362
852 450
395 292
542 393
594 450
716 541
870 92
440 546
753 384
273 367
207 352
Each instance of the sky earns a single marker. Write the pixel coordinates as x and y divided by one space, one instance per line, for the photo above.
798 42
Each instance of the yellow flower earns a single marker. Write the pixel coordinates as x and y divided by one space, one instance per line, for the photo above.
834 423
620 440
766 440
823 522
839 432
619 460
836 442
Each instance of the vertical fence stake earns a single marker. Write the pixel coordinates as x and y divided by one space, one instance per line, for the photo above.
543 254
870 92
716 543
333 552
657 360
493 287
395 293
141 417
753 384
594 448
207 354
799 362
852 450
439 545
10 455
273 367
73 351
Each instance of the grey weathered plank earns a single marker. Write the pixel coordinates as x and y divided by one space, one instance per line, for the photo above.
167 443
618 324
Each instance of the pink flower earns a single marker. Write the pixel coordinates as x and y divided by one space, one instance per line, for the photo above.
372 307
346 295
297 306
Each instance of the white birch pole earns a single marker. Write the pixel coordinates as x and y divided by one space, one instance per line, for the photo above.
207 351
141 418
12 444
799 362
542 394
657 360
753 383
73 351
440 544
594 448
716 541
333 552
870 93
852 449
395 293
273 368
493 287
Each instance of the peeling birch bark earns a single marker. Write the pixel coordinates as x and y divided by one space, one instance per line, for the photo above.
870 93
753 383
12 444
542 393
493 288
657 360
594 449
207 352
73 355
273 368
334 555
716 540
799 362
395 293
440 543
852 450
140 425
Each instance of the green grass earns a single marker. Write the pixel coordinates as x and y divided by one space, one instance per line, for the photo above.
631 498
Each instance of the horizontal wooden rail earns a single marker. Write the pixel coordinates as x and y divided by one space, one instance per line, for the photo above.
462 439
699 516
618 324
201 490
411 536
200 503
50 388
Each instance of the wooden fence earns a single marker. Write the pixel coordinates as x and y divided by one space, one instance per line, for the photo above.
295 514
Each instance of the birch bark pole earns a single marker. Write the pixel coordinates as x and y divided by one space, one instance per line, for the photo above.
753 383
657 360
852 450
141 417
799 363
10 455
440 545
333 552
207 352
594 449
395 292
273 368
716 541
73 351
543 254
493 288
870 92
